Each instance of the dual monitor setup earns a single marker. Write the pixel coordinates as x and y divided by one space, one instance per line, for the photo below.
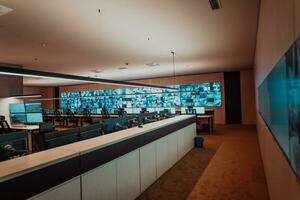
26 113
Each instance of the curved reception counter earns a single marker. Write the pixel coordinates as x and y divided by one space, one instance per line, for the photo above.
119 165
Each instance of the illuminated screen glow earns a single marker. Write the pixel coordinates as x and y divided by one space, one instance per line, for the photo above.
198 95
279 97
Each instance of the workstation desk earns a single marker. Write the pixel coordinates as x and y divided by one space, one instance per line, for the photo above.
81 118
119 165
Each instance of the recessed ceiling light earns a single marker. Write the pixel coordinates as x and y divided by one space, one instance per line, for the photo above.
4 10
44 45
153 64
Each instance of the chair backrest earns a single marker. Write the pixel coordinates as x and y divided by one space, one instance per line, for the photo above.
59 138
95 120
143 116
18 140
3 123
46 127
89 131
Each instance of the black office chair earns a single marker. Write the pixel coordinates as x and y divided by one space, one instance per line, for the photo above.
3 124
71 119
38 138
46 118
132 121
13 144
105 112
58 118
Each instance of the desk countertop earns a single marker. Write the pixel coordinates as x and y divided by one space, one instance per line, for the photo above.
16 167
25 127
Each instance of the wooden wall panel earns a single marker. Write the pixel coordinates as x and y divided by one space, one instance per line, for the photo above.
11 86
248 97
46 92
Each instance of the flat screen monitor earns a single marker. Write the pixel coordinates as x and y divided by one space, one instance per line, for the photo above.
159 109
200 110
33 107
16 108
128 110
34 118
136 110
183 110
99 110
18 118
172 110
151 109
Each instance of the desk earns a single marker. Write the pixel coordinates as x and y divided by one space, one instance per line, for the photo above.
80 117
210 120
118 157
30 129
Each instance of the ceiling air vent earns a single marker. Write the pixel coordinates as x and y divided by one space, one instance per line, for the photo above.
4 10
215 4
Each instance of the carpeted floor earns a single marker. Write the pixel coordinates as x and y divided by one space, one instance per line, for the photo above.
228 168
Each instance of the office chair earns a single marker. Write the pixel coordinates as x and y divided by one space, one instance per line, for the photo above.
39 137
13 144
58 118
71 119
132 121
105 112
3 124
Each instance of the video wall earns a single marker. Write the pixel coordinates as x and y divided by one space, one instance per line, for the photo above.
279 104
202 94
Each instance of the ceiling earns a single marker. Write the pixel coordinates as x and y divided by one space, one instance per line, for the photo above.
73 37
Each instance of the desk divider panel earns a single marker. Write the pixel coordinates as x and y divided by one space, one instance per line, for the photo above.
40 180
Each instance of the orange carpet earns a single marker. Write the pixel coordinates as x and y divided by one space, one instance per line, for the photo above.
228 168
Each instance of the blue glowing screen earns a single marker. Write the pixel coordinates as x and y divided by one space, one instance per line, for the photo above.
202 94
279 104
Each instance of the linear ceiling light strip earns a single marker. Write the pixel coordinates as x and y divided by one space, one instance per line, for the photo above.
8 70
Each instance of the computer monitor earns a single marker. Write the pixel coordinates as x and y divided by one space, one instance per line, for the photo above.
18 118
159 109
99 111
151 109
34 117
136 110
190 111
35 107
172 110
16 108
129 110
183 110
200 110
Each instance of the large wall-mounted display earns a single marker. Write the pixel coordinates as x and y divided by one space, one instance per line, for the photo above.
202 94
279 104
26 112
